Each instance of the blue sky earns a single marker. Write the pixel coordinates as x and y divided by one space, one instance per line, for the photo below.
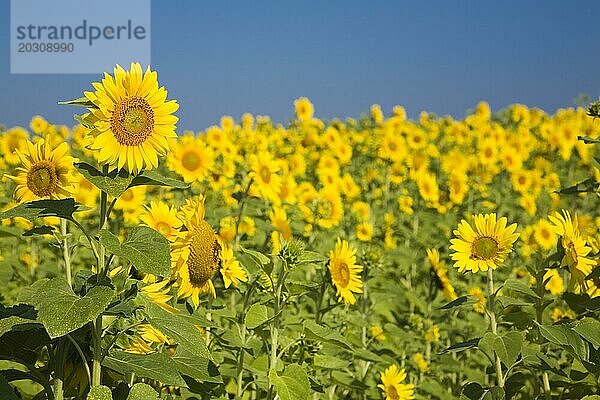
220 58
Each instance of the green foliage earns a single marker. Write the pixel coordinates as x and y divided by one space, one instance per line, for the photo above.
145 248
60 310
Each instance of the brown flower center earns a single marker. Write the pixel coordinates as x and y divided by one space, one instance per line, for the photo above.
341 274
132 121
484 248
191 160
203 261
42 178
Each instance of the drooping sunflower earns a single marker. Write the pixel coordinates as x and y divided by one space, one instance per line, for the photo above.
159 295
345 273
574 246
196 254
132 119
484 246
231 270
45 172
441 273
162 218
392 386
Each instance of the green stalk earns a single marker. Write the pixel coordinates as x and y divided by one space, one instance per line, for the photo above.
97 333
275 327
65 248
240 358
493 325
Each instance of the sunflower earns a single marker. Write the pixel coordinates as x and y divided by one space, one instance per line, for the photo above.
420 362
12 140
364 231
132 119
574 247
191 158
162 218
264 172
304 109
428 187
345 273
555 282
544 234
479 306
328 207
196 254
231 270
484 247
45 172
159 295
392 386
438 267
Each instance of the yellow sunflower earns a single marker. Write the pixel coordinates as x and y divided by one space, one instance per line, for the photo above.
439 268
231 270
12 140
304 109
162 218
574 247
345 273
264 172
544 234
45 172
196 255
191 158
132 119
484 247
159 294
392 386
364 231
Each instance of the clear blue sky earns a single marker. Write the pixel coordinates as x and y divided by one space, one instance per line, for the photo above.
230 57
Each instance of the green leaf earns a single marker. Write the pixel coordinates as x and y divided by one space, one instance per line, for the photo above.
257 256
6 391
191 357
589 329
587 139
472 391
325 334
508 346
293 384
562 335
589 185
486 344
60 309
82 101
44 208
330 362
114 183
462 346
257 315
153 178
141 391
145 248
153 366
518 286
461 301
99 393
39 230
20 315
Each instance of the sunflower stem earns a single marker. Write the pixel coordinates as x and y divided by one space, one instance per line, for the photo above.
97 326
493 324
65 248
275 326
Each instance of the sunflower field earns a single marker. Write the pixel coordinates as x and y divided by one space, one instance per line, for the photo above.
377 257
